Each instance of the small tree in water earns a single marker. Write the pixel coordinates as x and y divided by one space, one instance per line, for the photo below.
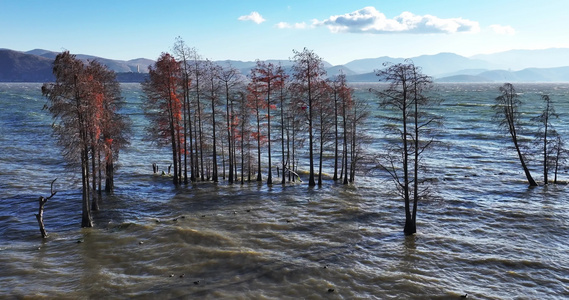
507 113
546 136
411 126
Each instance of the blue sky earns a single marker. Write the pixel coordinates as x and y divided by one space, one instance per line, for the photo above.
337 30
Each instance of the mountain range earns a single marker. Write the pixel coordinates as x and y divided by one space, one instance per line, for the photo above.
546 65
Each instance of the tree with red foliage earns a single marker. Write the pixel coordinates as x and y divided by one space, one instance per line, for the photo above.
163 106
267 79
84 101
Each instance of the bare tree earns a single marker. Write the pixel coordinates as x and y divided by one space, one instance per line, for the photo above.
268 79
559 155
212 88
507 114
308 71
407 96
39 215
197 70
230 79
256 103
359 113
282 95
545 134
183 54
324 113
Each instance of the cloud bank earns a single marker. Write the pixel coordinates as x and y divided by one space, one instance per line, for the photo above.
253 16
370 20
285 25
500 29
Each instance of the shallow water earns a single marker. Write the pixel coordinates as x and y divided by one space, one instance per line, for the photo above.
485 234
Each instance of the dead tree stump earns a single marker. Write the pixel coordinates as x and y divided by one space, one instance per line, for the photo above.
39 215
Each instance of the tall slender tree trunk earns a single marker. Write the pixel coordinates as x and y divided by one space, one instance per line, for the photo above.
259 177
95 200
109 177
283 138
214 155
185 109
321 150
311 181
410 225
174 155
189 114
558 150
86 220
293 161
345 132
270 175
545 158
200 132
229 134
335 177
524 166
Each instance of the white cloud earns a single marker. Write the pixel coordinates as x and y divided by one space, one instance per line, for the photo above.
285 25
253 16
370 20
500 29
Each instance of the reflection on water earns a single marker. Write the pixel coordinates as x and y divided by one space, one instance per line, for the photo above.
486 234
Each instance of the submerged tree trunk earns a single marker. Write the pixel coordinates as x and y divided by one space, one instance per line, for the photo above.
109 177
524 166
95 201
86 220
39 215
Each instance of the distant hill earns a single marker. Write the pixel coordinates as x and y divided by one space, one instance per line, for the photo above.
523 59
546 65
464 78
20 67
134 65
366 77
433 65
560 74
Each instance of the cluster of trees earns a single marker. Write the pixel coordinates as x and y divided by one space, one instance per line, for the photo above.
208 113
547 138
215 118
186 95
84 101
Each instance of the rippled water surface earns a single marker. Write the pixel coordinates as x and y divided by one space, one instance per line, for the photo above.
485 234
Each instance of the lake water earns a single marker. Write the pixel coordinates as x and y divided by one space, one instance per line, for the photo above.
485 234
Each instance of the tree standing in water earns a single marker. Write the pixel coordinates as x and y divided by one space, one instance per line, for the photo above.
308 73
507 113
256 103
164 108
83 103
268 80
546 136
411 124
